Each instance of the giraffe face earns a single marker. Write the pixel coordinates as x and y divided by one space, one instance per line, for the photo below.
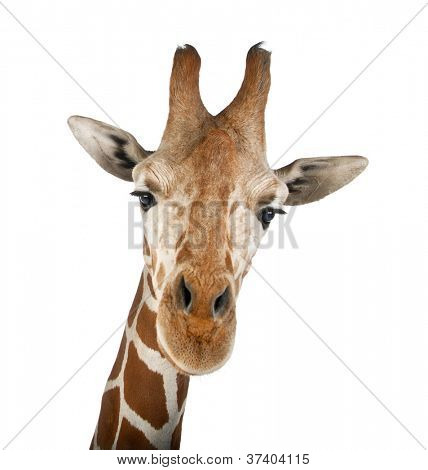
207 197
206 217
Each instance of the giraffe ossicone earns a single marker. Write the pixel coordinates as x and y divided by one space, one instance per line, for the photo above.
207 196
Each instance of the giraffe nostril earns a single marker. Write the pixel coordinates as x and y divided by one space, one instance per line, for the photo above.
185 294
220 303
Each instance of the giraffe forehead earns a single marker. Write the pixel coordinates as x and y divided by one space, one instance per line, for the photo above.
216 165
215 179
212 168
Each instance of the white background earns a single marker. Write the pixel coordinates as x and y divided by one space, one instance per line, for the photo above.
358 277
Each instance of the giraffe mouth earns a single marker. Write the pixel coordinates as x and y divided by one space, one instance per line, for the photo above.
169 358
193 354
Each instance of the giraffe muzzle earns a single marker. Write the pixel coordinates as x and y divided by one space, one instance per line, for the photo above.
196 321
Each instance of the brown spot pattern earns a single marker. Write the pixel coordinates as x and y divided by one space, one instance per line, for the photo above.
132 438
228 262
233 207
180 240
109 418
137 300
144 390
146 327
160 276
146 249
150 284
182 388
176 435
184 253
119 358
154 261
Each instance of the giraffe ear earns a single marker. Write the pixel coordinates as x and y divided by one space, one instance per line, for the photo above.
115 150
311 179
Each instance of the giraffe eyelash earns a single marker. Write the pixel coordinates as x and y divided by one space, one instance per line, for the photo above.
277 210
138 193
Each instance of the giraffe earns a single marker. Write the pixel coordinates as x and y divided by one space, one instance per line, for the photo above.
207 196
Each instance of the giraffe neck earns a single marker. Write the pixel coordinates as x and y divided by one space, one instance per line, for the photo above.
144 398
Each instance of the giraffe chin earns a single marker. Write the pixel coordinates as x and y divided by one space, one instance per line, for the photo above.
195 346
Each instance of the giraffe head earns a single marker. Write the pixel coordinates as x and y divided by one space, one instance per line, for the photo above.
207 196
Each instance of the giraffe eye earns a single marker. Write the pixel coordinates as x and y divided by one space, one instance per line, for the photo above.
147 200
267 214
